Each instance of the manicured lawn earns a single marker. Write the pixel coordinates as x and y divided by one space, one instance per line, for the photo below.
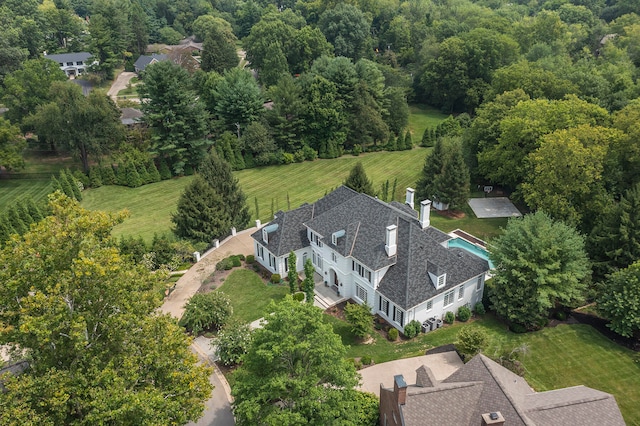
149 206
484 229
250 295
421 117
308 181
563 356
12 190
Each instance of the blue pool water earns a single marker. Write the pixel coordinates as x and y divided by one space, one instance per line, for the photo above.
472 248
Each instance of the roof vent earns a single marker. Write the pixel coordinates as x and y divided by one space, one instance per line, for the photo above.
492 419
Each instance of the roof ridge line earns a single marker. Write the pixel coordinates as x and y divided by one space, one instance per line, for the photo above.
355 237
568 403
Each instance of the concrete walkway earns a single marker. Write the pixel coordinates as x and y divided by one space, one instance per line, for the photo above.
442 365
218 407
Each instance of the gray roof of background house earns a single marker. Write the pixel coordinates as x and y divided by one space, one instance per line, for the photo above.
69 57
144 60
483 386
130 115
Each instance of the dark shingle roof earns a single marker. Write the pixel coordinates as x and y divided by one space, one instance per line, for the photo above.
483 386
408 283
144 60
69 57
291 233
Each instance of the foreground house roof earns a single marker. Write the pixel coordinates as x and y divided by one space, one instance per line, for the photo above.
482 386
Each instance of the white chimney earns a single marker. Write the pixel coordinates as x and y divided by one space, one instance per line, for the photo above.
392 236
425 212
409 200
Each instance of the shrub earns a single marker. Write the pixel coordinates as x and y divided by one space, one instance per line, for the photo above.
240 256
561 315
449 317
165 171
232 343
365 360
310 154
360 319
108 175
298 156
235 261
275 278
392 334
517 328
356 150
298 296
250 259
412 329
80 176
287 158
470 341
95 179
464 313
479 309
206 311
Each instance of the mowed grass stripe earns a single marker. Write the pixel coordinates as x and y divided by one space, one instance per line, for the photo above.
308 181
150 206
13 190
421 117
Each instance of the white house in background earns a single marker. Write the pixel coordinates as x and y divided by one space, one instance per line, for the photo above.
73 64
378 253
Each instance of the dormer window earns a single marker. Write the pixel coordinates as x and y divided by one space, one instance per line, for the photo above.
336 235
267 230
441 281
437 274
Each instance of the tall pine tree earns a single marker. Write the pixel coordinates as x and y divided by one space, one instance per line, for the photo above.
358 180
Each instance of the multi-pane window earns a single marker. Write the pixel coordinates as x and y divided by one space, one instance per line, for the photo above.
448 297
261 252
361 293
461 292
317 260
441 281
272 261
479 283
315 238
361 270
429 305
334 257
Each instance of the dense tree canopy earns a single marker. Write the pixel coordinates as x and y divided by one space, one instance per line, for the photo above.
85 319
620 300
540 263
295 372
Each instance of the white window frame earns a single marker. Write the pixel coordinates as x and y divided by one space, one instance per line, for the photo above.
441 281
479 283
397 312
359 269
450 295
383 305
260 252
461 292
334 257
429 305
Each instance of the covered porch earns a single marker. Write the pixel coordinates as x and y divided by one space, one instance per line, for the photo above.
326 296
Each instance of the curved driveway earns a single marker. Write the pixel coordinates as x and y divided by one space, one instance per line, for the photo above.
218 407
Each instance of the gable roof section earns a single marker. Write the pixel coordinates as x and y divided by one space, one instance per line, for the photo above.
291 234
145 60
69 57
408 283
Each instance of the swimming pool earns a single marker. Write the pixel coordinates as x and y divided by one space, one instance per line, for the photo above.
472 248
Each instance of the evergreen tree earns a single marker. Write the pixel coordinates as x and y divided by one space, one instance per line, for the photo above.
239 159
121 174
201 215
358 180
218 53
452 184
292 273
391 143
308 284
384 191
5 232
154 174
426 137
77 194
425 187
249 162
218 174
275 65
142 172
257 207
165 172
399 143
108 175
15 221
34 210
132 178
95 178
55 184
23 211
393 191
408 142
66 185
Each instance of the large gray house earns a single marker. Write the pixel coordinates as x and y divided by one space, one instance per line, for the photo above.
378 253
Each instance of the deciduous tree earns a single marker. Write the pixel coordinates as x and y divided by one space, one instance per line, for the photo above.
295 371
86 320
540 263
620 300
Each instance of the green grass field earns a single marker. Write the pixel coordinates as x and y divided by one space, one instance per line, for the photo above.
562 356
249 295
421 117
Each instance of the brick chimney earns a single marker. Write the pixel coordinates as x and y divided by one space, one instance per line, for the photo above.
492 419
425 213
400 389
409 199
391 246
